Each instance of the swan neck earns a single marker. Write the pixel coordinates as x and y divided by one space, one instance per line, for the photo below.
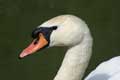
75 61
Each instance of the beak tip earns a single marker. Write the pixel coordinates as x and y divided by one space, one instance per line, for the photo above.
22 55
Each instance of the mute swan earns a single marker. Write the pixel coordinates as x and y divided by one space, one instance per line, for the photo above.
70 31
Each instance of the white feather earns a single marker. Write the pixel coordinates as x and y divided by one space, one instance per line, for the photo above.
108 70
74 33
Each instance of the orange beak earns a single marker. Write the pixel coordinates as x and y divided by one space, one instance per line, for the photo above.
34 46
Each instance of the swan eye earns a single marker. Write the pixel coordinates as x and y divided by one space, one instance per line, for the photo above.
54 27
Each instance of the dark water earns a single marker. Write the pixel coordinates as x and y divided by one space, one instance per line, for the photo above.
19 17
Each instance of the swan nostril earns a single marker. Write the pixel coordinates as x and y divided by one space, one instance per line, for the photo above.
36 41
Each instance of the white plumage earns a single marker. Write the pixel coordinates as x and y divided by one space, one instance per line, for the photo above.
73 33
108 70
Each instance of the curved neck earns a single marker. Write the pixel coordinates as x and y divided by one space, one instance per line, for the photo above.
76 61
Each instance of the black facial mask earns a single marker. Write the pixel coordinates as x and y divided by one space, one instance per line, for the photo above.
46 31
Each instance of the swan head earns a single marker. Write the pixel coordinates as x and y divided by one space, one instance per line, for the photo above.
64 30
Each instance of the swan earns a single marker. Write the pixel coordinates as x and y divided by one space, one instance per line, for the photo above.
72 32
